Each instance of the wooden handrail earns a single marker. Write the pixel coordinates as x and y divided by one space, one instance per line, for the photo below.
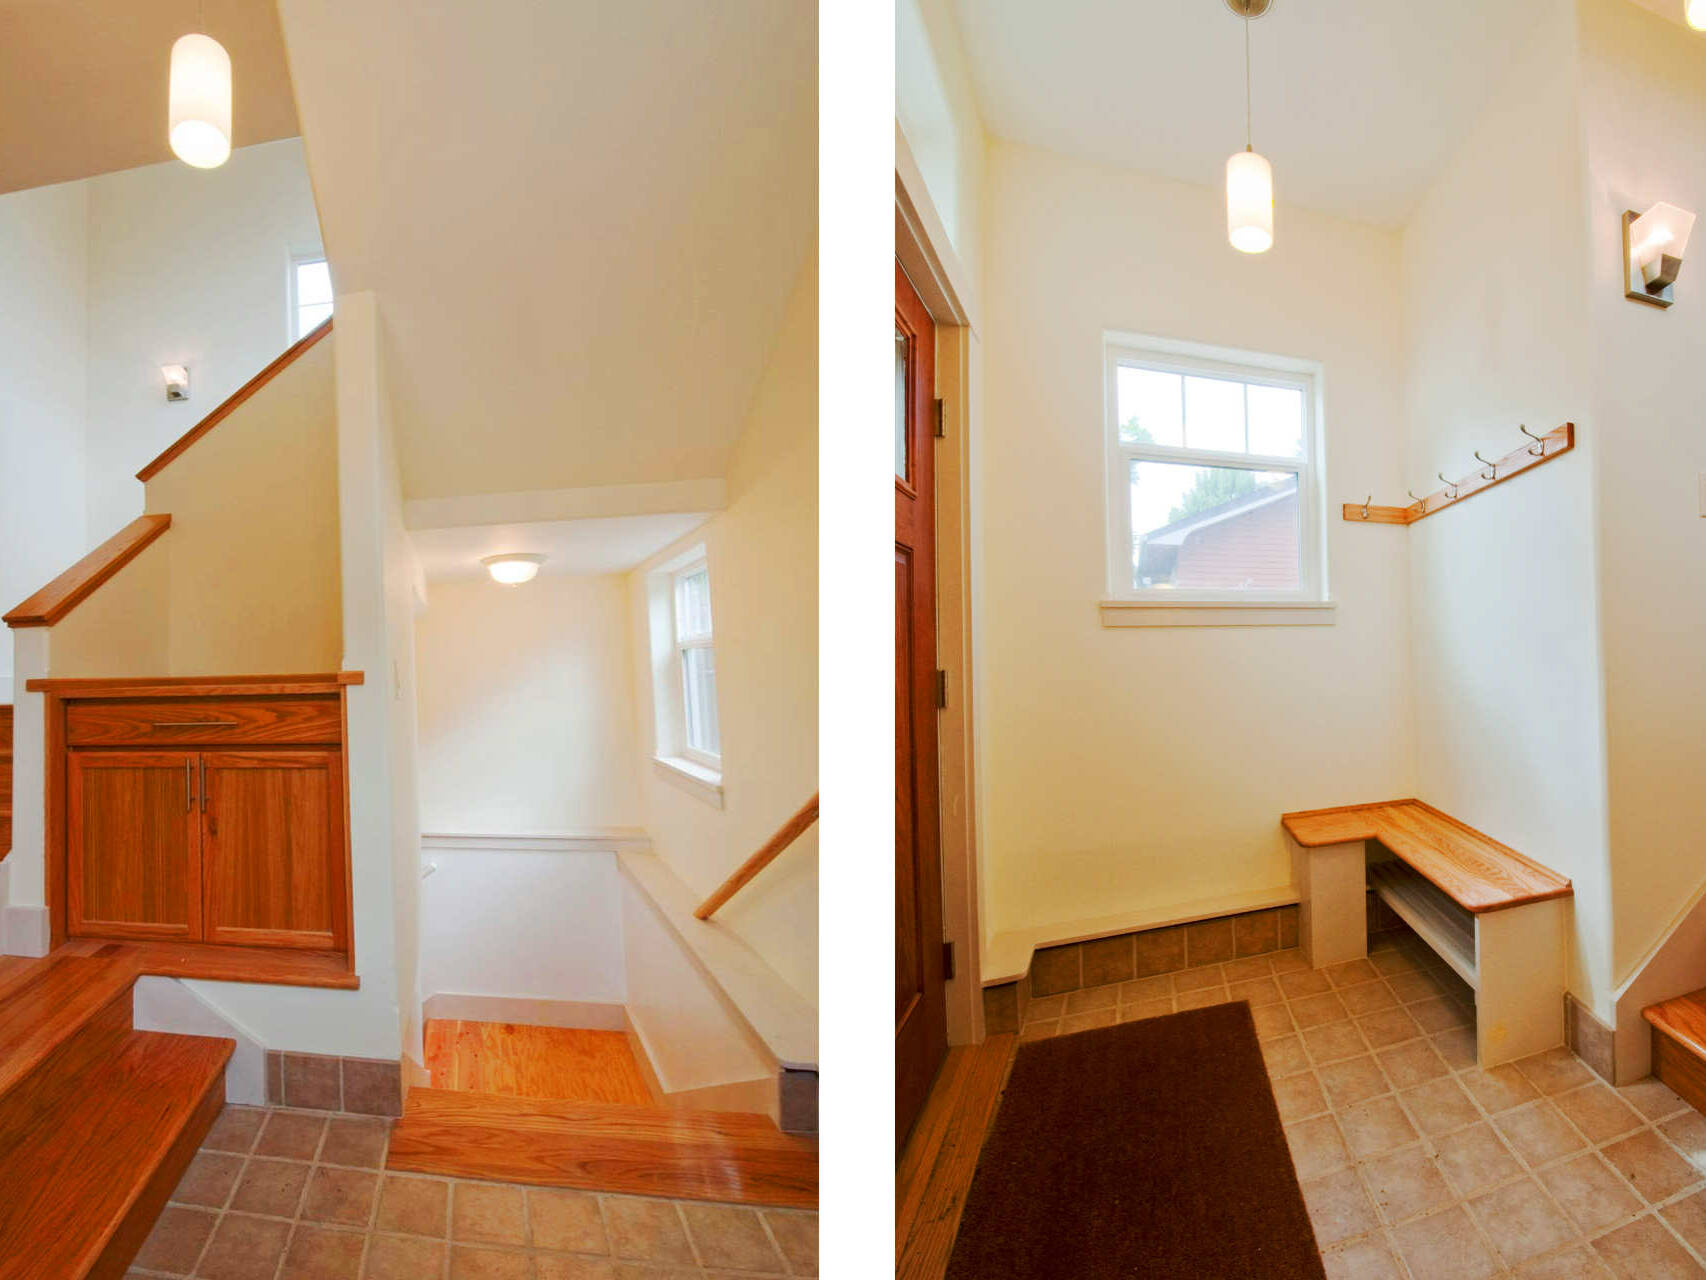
790 831
237 397
78 583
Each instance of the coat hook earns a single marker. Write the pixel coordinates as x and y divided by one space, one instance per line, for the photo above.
1538 448
1492 471
1449 484
1420 502
1365 503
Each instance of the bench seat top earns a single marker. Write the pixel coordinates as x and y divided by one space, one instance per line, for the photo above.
1474 870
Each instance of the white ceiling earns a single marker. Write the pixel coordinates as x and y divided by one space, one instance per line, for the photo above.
582 219
1356 103
83 82
612 545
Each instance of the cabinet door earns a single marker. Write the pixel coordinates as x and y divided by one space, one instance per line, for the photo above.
272 848
132 832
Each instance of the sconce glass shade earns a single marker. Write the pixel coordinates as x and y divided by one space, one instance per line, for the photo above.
1696 13
200 102
513 569
1249 202
177 381
1657 241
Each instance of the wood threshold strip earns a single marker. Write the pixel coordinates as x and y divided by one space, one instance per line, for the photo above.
193 686
789 831
237 397
78 583
1554 444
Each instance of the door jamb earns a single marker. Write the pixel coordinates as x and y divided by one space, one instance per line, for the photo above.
924 251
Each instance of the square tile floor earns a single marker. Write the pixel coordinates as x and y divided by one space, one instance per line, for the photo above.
279 1194
1415 1163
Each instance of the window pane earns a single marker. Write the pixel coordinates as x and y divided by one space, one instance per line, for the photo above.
1150 407
693 604
699 678
313 283
1276 421
311 317
1214 528
1214 414
900 351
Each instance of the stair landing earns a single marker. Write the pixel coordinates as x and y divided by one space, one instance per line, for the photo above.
728 1156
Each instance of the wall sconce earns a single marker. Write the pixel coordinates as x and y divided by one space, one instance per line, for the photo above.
177 378
517 567
1653 245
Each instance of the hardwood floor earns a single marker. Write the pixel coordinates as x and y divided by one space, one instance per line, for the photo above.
728 1156
534 1062
940 1156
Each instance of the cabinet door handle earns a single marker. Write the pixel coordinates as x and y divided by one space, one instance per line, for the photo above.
204 784
189 787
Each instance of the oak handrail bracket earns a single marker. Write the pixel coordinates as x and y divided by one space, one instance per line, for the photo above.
790 831
235 399
78 583
1541 449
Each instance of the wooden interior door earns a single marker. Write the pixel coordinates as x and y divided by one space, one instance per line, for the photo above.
272 843
132 845
921 1006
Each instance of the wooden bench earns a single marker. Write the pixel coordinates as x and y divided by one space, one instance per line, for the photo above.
1499 919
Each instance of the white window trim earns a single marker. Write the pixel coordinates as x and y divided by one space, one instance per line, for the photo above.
299 257
681 643
1128 605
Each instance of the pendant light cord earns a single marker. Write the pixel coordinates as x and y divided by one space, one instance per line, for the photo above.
1247 145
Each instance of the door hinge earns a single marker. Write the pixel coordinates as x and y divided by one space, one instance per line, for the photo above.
941 414
947 962
941 690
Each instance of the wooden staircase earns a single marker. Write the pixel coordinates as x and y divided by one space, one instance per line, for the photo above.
97 1121
656 1151
1679 1045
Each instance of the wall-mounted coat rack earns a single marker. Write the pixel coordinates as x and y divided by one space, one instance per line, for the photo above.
1541 449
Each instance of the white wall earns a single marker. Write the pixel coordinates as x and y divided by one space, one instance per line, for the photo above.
185 266
1125 769
43 357
762 554
526 706
532 925
936 107
1505 632
1644 106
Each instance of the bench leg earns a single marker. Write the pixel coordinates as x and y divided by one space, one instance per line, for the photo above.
1519 969
1332 883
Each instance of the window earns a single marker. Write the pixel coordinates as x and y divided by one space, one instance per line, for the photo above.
700 740
1212 491
310 294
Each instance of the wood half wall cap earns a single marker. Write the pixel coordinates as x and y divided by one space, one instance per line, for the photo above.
78 583
237 397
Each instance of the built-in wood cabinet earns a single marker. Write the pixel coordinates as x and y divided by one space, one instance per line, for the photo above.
205 818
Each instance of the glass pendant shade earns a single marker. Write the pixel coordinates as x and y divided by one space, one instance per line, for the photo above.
200 112
1696 12
1249 202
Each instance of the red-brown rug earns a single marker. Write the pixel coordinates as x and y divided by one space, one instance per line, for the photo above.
1152 1148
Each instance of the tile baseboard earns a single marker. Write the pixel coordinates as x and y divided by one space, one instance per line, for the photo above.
320 1082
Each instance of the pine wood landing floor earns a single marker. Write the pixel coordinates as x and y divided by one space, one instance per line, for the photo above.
571 1065
301 1195
1415 1164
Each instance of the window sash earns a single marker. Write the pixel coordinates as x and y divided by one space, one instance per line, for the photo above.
1312 582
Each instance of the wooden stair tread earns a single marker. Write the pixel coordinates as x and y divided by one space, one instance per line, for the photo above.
51 1002
696 1155
1474 870
89 1151
275 966
1683 1018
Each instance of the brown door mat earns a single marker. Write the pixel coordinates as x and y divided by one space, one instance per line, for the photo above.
1153 1148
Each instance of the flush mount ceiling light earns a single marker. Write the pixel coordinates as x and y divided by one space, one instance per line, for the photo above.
1653 245
199 111
1249 176
514 568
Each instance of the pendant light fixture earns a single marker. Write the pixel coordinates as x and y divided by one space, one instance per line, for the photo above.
199 123
1249 176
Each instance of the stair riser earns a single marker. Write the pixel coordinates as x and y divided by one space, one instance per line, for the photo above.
1676 1065
127 1241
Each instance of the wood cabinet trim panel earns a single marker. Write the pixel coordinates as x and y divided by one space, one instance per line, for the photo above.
208 722
193 686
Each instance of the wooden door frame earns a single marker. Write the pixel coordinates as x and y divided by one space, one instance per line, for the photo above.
925 252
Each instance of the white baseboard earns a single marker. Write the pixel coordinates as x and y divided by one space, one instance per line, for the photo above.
24 931
583 840
527 1011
